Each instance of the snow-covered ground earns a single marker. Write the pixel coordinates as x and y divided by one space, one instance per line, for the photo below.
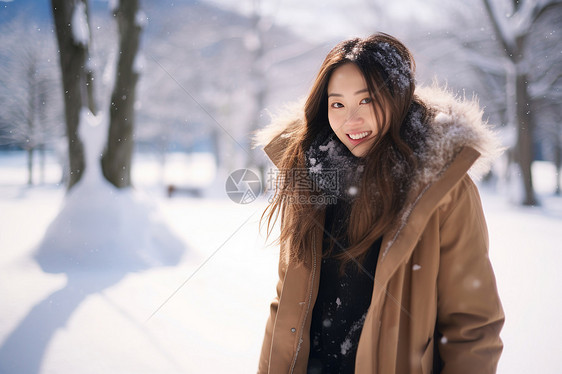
206 314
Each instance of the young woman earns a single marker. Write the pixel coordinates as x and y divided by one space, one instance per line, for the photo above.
384 250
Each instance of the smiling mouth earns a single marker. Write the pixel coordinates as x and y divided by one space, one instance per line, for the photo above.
359 135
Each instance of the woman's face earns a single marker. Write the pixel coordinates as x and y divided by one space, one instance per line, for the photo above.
351 112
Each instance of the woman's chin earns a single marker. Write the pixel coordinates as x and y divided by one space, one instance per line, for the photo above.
359 150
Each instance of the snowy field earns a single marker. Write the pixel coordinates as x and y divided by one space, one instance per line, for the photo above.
206 313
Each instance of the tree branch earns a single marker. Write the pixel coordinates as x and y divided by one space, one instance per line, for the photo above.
500 29
544 87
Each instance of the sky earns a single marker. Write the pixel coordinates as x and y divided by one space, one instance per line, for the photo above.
321 20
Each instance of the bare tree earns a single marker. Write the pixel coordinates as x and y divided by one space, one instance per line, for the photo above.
200 95
265 55
116 161
71 24
28 85
497 51
74 38
545 89
512 32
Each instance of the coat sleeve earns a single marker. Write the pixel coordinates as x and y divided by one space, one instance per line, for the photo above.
263 366
274 150
470 315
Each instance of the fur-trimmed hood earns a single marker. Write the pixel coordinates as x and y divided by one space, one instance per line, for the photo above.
455 123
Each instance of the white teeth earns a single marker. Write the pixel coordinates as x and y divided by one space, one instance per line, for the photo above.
361 135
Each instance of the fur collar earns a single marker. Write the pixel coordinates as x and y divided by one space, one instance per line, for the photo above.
456 123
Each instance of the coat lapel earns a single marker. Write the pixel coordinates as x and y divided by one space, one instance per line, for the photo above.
397 247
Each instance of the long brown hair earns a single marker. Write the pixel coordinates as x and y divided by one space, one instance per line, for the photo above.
388 68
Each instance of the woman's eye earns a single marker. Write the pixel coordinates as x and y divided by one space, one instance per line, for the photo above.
337 105
367 100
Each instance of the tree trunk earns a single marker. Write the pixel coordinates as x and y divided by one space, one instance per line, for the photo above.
557 163
30 166
116 160
90 89
524 120
525 142
42 163
72 61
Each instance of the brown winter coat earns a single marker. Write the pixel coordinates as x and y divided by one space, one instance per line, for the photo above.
435 294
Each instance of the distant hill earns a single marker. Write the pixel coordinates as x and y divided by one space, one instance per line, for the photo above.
39 11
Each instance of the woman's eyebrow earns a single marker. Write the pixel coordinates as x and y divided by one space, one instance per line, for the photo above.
356 93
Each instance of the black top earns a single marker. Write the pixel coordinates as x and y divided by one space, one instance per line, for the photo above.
343 299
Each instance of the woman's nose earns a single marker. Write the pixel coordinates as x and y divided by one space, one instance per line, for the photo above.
354 117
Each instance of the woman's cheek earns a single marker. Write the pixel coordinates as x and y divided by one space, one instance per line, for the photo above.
335 122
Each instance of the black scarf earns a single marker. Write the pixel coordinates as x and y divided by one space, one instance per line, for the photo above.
332 167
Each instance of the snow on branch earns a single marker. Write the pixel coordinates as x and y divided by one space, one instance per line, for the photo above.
500 21
528 12
79 25
138 63
512 22
113 5
544 86
141 19
491 65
